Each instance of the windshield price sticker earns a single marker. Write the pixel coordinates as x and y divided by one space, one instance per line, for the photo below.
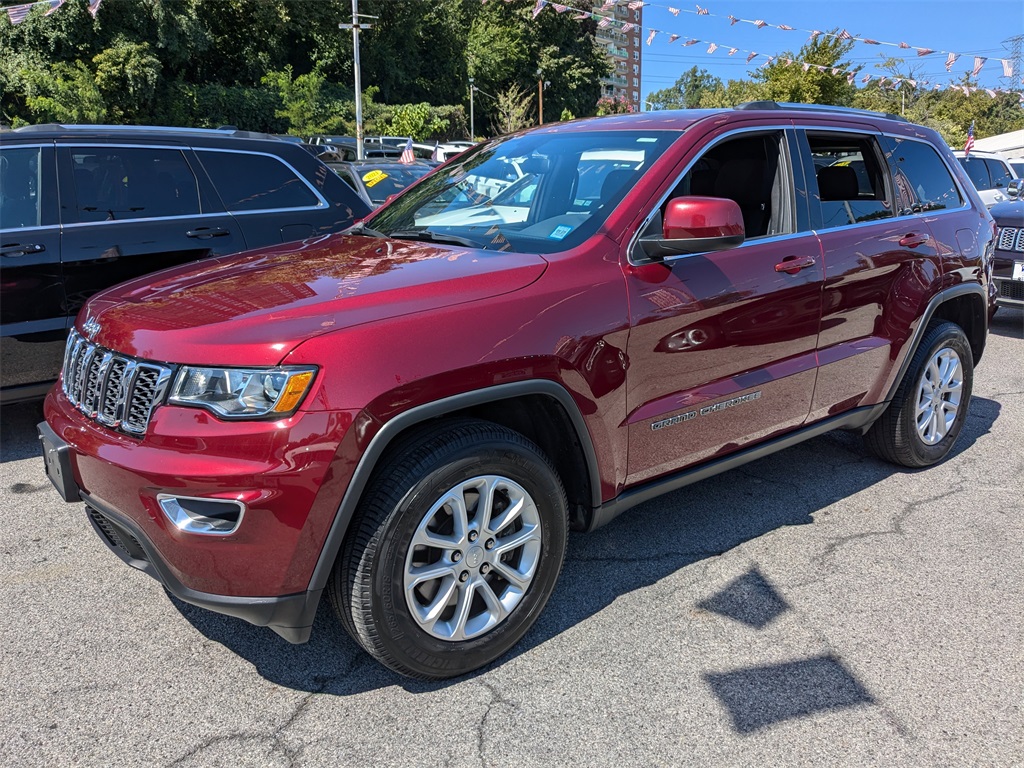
374 177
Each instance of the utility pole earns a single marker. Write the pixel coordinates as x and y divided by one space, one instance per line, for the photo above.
472 129
355 26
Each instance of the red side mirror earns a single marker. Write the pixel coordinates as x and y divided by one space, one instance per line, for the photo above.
695 225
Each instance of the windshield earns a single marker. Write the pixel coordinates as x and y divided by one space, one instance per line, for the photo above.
382 182
534 193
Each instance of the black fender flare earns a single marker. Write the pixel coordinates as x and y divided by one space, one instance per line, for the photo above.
421 413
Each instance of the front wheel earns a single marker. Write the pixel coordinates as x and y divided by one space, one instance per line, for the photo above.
928 412
458 545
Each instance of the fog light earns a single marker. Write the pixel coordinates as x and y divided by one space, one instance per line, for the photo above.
216 517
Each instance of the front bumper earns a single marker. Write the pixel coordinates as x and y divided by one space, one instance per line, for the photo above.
290 616
285 472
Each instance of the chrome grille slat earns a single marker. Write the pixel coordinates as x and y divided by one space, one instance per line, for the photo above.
118 391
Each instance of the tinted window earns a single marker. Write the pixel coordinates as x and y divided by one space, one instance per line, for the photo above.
850 181
923 182
116 183
999 173
20 187
977 172
249 182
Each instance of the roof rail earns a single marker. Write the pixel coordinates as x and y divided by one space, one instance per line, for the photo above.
222 131
818 108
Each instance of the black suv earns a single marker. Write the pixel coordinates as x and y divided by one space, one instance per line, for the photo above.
85 207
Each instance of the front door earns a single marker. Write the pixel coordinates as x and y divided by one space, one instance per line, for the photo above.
722 344
31 288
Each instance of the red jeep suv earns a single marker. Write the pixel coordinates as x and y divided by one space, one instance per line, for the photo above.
551 328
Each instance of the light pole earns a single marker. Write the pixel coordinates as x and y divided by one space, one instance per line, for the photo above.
540 95
472 128
355 26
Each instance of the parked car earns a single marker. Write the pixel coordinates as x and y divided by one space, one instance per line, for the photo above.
375 180
990 173
409 419
344 148
85 207
1008 271
1017 165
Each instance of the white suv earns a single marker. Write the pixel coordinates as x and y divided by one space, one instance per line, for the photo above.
991 174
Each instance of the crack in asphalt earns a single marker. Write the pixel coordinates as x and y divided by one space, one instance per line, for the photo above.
896 529
277 736
496 698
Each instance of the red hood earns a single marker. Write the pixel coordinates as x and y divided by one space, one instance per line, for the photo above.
254 307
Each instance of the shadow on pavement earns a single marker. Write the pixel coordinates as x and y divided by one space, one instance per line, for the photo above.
760 696
1008 322
18 439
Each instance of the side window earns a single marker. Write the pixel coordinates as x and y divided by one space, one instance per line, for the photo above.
923 182
850 181
753 171
977 172
251 182
117 183
999 172
20 187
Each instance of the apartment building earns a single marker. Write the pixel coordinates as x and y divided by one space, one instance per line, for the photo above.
623 44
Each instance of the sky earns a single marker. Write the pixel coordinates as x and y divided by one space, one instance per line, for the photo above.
968 27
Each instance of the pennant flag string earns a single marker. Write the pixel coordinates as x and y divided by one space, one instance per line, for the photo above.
605 22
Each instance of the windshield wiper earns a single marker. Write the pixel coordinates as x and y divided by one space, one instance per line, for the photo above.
362 229
433 237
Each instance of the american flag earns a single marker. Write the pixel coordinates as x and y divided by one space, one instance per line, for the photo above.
407 157
713 47
969 144
951 60
702 11
979 62
844 35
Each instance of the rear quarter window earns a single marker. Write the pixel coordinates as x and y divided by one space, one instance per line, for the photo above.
923 182
253 182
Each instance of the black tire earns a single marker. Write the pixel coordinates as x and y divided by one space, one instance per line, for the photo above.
895 436
367 587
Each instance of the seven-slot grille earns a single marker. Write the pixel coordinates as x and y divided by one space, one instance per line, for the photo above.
1010 239
116 390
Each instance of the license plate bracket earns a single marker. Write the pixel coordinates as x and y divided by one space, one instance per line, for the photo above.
1018 270
57 460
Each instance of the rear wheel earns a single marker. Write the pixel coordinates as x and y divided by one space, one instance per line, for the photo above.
928 412
457 548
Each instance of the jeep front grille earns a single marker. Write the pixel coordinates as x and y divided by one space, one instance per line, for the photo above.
1011 289
1010 239
118 391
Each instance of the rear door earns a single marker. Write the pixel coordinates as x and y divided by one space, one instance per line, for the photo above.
130 210
33 316
268 197
879 265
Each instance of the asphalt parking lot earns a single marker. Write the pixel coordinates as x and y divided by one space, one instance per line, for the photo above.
816 607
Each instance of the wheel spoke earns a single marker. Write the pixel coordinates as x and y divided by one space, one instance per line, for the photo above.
512 576
494 605
514 510
462 605
485 506
425 538
430 614
517 539
419 574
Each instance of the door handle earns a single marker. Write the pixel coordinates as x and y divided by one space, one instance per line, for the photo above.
793 264
204 233
22 250
913 240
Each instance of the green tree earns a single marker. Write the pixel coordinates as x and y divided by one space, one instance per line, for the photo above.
802 81
64 93
687 91
513 110
126 76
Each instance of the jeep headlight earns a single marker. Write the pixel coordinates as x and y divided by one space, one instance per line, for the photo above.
242 392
